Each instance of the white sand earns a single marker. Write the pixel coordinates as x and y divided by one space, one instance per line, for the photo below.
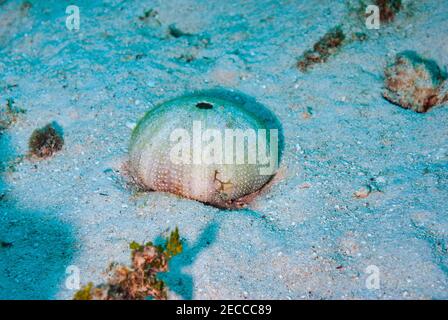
308 237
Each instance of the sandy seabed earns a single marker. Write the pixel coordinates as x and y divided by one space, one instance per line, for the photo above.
308 237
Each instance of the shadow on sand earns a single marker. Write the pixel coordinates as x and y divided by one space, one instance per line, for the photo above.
35 248
176 279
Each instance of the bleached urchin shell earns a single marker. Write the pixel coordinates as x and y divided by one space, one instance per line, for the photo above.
222 185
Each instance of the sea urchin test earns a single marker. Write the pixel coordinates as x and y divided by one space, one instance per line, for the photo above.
218 147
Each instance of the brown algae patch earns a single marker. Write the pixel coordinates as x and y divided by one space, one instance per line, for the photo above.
323 49
415 83
388 9
44 142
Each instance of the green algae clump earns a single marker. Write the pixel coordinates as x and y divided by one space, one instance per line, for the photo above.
173 244
84 293
138 281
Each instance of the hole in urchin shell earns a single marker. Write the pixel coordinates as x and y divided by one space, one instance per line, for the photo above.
204 105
